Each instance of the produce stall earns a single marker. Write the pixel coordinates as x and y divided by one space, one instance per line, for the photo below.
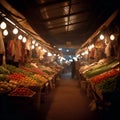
102 80
24 88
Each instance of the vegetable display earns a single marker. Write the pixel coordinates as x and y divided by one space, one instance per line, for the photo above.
110 85
98 78
101 69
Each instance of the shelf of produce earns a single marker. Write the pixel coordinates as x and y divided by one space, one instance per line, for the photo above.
24 103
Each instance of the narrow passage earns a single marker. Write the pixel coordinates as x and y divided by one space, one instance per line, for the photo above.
66 102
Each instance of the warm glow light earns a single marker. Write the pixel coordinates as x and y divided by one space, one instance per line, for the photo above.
39 47
102 37
49 54
67 50
24 40
44 50
59 48
32 46
5 32
86 52
20 37
36 44
90 47
33 41
3 25
78 55
15 31
112 37
82 53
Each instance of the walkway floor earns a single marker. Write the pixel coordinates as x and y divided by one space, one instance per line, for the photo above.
66 102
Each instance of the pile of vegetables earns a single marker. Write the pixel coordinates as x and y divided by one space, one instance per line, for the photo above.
101 69
109 74
110 85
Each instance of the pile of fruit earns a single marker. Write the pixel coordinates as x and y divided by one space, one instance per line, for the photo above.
6 86
23 92
22 80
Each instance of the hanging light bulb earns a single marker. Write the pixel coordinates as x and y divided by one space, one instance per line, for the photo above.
102 37
32 46
36 44
33 41
3 25
112 37
15 31
49 54
5 32
24 40
20 37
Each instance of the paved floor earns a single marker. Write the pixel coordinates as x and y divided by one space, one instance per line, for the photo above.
66 102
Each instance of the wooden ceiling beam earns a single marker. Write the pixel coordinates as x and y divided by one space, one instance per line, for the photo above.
68 15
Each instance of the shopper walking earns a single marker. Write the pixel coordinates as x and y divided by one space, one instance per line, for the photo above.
73 70
77 67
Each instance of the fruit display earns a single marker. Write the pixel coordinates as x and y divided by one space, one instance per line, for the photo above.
15 76
6 86
40 79
22 80
109 74
22 92
34 70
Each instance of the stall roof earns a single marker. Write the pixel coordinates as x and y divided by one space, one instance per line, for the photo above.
65 23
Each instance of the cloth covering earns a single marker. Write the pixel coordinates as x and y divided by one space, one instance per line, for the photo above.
2 46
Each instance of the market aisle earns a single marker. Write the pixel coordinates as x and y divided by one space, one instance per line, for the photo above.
66 102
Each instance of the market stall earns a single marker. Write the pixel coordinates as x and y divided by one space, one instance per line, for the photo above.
100 65
28 70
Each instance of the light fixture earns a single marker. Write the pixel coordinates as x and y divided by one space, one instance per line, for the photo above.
3 25
54 54
24 40
86 52
44 50
112 37
82 53
59 48
36 44
67 50
90 47
101 37
33 41
15 31
20 37
32 46
5 32
49 54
